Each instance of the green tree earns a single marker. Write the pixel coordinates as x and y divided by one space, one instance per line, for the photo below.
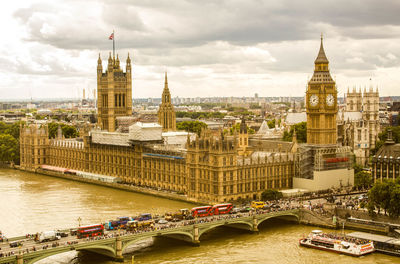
9 148
357 168
271 194
237 128
14 129
255 106
383 136
271 123
68 131
191 126
301 133
380 196
362 179
394 207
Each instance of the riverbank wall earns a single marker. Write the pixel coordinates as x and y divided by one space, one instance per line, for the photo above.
123 187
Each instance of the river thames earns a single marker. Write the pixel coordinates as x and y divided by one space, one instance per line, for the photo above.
31 203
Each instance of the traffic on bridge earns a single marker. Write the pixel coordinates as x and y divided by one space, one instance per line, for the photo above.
73 239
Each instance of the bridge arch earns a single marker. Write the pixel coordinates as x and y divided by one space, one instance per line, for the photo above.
186 236
99 249
239 225
289 216
49 254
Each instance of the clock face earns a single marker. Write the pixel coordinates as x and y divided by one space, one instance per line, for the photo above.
313 100
330 100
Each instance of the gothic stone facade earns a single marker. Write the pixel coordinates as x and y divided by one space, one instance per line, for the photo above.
114 93
321 105
208 170
361 133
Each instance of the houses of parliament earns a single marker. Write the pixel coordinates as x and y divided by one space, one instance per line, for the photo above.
210 167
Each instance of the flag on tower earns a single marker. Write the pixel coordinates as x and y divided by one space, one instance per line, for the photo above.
111 37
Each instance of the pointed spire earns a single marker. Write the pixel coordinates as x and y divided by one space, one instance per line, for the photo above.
99 60
166 81
117 62
321 58
128 60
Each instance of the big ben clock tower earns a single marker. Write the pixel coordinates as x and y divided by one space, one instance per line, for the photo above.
321 103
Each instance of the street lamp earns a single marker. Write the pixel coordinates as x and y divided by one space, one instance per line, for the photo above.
79 221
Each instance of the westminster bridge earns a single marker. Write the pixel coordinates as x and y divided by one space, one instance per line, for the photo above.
114 244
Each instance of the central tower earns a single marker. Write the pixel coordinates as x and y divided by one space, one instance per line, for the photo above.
166 112
114 93
321 103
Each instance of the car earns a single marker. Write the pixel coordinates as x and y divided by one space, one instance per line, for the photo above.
162 221
363 196
235 210
74 232
62 234
15 244
245 209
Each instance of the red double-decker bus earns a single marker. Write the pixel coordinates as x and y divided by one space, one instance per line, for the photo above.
220 209
202 211
90 231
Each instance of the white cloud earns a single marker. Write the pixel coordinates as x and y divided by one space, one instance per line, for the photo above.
210 48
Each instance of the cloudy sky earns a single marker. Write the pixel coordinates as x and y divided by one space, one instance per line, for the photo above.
49 49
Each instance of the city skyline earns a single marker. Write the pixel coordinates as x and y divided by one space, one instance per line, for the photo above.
49 49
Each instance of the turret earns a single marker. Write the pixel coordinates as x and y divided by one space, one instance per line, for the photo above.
99 67
128 64
117 63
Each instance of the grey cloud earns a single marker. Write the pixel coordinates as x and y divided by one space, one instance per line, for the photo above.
194 23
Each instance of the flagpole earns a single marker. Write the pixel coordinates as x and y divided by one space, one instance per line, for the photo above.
113 44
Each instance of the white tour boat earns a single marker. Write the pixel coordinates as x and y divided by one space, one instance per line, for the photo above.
337 243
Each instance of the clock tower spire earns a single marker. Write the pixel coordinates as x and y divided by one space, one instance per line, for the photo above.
321 106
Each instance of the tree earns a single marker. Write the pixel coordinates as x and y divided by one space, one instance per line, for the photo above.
357 168
14 129
237 128
67 130
383 136
9 148
271 194
301 133
383 195
394 207
271 123
362 179
191 126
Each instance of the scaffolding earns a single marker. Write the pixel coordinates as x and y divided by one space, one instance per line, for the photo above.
312 158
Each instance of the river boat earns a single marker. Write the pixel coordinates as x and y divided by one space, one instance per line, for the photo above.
337 243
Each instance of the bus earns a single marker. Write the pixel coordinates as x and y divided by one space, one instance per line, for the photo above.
144 217
220 209
257 204
90 231
139 225
202 211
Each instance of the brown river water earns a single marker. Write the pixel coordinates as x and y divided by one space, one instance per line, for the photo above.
31 203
